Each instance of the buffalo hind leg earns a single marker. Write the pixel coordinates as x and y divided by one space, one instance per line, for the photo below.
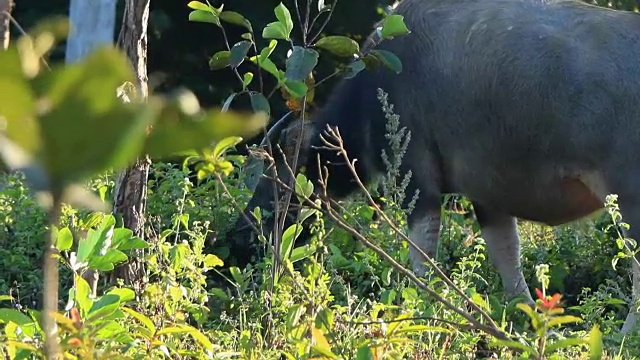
424 231
503 244
629 202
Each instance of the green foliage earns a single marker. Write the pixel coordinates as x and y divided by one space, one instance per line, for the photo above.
329 298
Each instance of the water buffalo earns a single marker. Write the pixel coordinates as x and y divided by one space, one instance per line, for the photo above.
530 108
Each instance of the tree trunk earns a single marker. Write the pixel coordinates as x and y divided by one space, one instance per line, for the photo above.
92 25
130 198
6 6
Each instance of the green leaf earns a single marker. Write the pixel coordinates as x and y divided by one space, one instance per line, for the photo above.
141 318
301 63
95 240
260 103
238 52
388 59
83 295
133 243
14 316
595 343
104 306
182 126
354 68
204 16
124 294
64 240
293 316
220 60
224 145
303 185
246 80
563 344
108 261
236 274
565 319
19 108
302 252
364 353
322 345
85 122
197 5
284 17
297 89
393 25
235 18
339 45
212 261
288 239
275 30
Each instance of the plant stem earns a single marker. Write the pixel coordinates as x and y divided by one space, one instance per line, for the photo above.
50 291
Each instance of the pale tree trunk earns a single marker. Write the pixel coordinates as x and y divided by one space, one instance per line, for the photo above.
92 25
130 198
6 6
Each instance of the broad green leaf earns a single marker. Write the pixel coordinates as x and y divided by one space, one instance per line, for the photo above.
141 318
197 5
259 103
393 25
86 122
303 185
224 145
220 60
364 353
388 59
64 240
18 110
297 89
236 274
83 295
301 63
354 68
288 239
14 316
321 344
238 52
133 243
212 261
284 17
595 343
104 306
339 45
107 261
235 18
96 240
184 126
302 252
204 16
293 316
275 30
121 235
565 319
124 294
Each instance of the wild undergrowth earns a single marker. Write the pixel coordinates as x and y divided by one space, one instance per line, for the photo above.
333 298
344 294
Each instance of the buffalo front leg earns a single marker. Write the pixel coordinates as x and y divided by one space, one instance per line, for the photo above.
503 244
632 316
424 231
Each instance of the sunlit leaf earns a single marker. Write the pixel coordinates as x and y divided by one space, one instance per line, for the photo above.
339 45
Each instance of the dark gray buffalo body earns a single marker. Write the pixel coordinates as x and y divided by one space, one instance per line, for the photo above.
531 109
